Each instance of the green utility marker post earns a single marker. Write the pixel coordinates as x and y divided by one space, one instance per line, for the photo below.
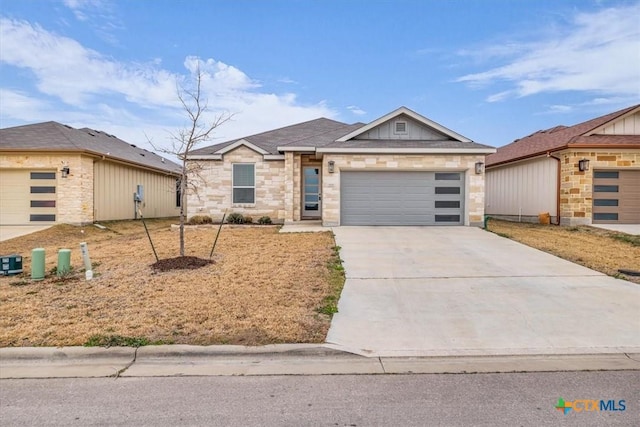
37 264
64 262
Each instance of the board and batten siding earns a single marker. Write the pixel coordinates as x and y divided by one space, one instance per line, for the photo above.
414 131
523 190
627 126
115 184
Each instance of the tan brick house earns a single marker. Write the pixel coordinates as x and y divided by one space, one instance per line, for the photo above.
52 173
588 173
401 169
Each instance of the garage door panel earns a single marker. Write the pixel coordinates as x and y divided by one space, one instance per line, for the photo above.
27 197
616 196
401 198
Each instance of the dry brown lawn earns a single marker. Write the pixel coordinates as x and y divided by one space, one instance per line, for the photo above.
264 287
601 250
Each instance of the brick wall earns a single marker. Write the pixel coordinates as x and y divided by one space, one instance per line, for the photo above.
576 188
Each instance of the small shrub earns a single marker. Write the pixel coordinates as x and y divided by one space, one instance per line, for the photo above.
248 220
264 220
200 219
235 218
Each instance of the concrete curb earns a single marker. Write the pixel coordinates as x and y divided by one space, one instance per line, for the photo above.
64 362
280 359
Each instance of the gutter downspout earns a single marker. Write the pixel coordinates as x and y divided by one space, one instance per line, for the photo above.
558 185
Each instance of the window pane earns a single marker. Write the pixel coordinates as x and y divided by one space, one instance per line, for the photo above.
447 176
243 176
447 204
43 203
605 188
605 202
311 189
605 216
43 175
243 195
42 218
447 190
607 174
447 218
41 190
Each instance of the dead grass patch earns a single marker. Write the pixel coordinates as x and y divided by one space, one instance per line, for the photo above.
264 287
601 250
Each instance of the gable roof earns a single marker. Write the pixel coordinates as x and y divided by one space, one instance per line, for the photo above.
415 116
561 137
54 136
325 135
313 133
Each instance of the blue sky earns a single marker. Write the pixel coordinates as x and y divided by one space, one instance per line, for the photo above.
492 70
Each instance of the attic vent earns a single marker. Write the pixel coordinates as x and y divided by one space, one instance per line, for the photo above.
133 145
142 154
400 128
91 133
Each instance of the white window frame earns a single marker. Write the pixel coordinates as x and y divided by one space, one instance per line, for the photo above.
233 186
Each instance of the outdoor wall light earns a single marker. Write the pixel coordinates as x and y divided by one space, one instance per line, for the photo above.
583 165
479 168
332 166
65 171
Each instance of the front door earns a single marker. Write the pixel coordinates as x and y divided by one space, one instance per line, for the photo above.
311 197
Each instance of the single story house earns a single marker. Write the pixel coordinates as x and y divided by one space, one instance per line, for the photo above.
401 169
52 173
584 174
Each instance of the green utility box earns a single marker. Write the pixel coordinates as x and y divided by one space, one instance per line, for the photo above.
10 264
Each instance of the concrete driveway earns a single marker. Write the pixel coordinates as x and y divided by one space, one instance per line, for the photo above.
8 232
443 291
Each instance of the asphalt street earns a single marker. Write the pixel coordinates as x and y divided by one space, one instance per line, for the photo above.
520 399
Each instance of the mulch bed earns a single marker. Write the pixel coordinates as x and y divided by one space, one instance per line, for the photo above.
181 263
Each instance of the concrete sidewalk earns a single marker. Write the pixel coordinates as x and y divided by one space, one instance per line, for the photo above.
284 359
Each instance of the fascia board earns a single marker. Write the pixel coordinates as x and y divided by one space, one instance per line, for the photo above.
239 143
408 150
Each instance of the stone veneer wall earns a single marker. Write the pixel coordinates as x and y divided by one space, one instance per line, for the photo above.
576 188
474 185
74 194
214 190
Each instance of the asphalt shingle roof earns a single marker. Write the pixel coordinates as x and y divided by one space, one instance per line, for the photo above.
54 136
560 137
324 133
314 133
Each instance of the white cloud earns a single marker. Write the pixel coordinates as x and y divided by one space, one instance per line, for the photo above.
596 52
98 14
82 87
356 110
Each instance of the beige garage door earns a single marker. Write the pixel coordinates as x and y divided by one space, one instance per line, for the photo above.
616 197
27 197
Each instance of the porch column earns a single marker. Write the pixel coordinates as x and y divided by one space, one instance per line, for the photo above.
288 186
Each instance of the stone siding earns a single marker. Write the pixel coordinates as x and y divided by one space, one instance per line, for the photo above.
576 188
214 187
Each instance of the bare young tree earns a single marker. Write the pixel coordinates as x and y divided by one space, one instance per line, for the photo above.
199 129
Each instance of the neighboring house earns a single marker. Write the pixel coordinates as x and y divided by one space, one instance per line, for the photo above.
401 169
53 173
582 174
